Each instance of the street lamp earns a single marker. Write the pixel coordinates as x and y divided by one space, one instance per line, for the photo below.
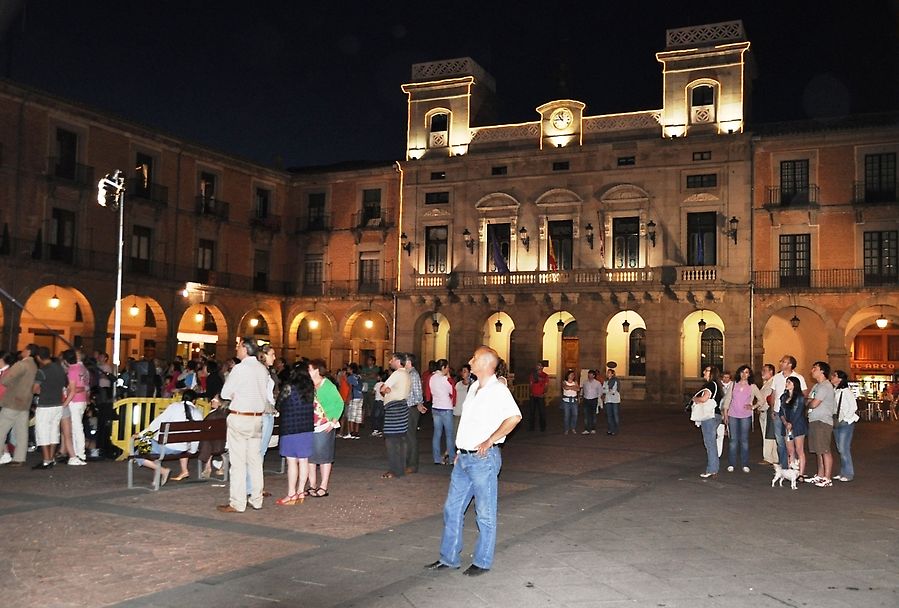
111 194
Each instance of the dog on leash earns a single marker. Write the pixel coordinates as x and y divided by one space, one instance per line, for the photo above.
791 474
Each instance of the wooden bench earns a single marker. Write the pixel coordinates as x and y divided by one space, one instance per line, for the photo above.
180 432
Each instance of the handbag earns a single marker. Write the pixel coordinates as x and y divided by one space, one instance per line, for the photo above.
836 417
703 411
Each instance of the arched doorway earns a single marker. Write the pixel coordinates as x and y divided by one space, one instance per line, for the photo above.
57 317
703 343
369 336
434 328
497 333
255 324
144 329
796 331
873 343
314 335
625 347
203 330
561 348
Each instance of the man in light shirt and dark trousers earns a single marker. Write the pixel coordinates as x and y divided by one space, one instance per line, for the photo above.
490 414
249 391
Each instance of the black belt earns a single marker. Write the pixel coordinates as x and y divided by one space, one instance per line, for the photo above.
461 451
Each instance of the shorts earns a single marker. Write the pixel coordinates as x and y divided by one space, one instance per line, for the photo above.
46 424
819 437
354 411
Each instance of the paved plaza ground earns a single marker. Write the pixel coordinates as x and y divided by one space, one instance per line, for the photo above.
592 520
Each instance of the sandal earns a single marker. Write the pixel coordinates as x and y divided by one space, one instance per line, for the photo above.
180 477
317 493
824 483
289 500
310 492
387 475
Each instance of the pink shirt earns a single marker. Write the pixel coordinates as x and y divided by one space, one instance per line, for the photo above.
740 401
441 392
81 377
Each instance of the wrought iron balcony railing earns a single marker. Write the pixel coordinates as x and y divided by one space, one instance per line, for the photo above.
373 219
313 223
149 192
269 222
874 193
782 196
212 207
381 287
70 172
825 279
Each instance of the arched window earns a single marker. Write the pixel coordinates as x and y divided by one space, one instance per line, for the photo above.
636 360
439 122
702 104
711 349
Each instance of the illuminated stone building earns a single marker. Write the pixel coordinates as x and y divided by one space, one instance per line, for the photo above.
579 238
826 234
214 246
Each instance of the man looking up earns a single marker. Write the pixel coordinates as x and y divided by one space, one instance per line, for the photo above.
489 416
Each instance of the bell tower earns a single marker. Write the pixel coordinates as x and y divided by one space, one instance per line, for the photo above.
705 89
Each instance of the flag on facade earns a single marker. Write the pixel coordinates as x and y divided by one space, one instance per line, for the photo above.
602 241
551 254
700 254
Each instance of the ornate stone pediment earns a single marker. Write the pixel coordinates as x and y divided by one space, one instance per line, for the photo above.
700 197
624 193
436 212
558 196
497 201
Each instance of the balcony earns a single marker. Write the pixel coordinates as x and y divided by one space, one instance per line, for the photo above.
269 222
780 196
71 173
873 194
212 208
342 289
141 191
373 219
830 279
313 223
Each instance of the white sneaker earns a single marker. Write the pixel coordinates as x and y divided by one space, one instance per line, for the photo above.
7 457
593 432
730 469
95 453
585 432
77 462
745 469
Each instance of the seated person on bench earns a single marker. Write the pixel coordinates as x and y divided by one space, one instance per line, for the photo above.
179 411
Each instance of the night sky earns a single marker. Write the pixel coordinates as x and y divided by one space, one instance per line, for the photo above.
309 83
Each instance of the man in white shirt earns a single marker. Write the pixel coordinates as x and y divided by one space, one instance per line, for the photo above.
248 389
490 415
779 385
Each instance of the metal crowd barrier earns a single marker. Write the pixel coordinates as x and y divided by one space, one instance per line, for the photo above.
134 414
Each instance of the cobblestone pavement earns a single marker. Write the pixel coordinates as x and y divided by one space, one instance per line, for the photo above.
585 520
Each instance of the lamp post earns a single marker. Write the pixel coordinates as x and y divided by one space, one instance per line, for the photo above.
111 193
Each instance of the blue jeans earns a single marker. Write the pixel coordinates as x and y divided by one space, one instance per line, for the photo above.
443 426
473 477
268 426
842 434
613 413
781 443
739 439
710 441
569 410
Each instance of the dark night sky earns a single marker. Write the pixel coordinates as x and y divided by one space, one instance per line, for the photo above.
318 82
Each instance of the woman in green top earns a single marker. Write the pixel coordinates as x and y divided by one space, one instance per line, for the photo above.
326 418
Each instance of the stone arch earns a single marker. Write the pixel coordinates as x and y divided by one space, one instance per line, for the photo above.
136 326
558 196
623 193
765 314
73 318
497 201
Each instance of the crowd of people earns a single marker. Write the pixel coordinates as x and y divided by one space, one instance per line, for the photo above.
794 418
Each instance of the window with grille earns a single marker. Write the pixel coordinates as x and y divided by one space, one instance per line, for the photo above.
795 260
263 203
62 235
702 238
880 178
313 275
206 254
706 180
316 210
369 271
626 242
794 186
711 349
260 270
371 205
66 154
880 254
436 198
435 249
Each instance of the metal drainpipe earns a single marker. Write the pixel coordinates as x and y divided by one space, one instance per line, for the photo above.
399 257
751 255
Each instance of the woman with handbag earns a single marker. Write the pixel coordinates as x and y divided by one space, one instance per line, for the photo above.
707 415
795 424
844 423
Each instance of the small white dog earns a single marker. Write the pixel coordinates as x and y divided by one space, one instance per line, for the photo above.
791 474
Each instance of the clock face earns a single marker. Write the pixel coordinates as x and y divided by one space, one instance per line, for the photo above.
562 118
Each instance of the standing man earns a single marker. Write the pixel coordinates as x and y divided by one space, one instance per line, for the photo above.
16 402
769 445
490 414
611 397
105 413
538 382
787 367
49 386
396 416
591 391
416 409
822 405
248 389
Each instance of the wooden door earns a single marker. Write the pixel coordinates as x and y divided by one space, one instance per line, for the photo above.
570 357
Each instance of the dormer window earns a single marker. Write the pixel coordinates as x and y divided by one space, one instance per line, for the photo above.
702 104
439 130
